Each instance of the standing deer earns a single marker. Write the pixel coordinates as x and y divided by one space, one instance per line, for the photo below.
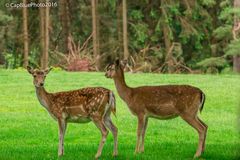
78 106
161 102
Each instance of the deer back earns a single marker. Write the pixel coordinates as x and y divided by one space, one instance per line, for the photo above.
80 105
164 101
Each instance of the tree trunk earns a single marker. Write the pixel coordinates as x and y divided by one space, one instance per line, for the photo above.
98 31
25 36
95 37
65 22
125 38
236 63
42 35
119 25
236 58
167 39
46 38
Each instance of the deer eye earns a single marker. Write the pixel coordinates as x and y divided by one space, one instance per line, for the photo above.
34 76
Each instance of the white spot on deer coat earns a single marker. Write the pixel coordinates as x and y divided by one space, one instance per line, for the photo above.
64 115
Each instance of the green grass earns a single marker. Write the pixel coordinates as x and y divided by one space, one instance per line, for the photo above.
28 132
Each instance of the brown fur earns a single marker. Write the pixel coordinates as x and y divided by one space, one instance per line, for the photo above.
88 102
78 106
161 102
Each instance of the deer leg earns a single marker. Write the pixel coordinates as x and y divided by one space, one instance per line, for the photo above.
109 124
62 128
139 132
143 133
104 133
205 133
195 123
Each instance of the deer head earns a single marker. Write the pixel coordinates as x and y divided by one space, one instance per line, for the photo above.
115 69
38 76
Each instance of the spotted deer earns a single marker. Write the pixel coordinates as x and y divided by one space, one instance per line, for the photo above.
160 102
77 106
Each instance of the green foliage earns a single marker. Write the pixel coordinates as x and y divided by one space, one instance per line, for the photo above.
174 10
233 48
208 3
227 70
235 12
226 15
223 32
4 19
111 4
213 62
140 34
34 57
136 15
56 69
20 69
154 14
197 25
12 60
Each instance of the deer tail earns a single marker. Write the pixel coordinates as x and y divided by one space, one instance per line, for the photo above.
203 97
112 102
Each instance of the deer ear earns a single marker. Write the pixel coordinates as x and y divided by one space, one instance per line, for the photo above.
107 67
117 62
29 69
46 71
124 63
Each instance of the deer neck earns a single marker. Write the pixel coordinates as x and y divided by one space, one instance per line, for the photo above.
122 88
42 96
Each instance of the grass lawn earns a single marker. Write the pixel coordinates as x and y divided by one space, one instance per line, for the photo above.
28 132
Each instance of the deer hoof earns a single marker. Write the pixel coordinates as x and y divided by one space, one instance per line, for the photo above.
60 154
197 155
136 151
97 156
115 154
141 150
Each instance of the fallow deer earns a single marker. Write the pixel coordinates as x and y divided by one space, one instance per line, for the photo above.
161 102
78 106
